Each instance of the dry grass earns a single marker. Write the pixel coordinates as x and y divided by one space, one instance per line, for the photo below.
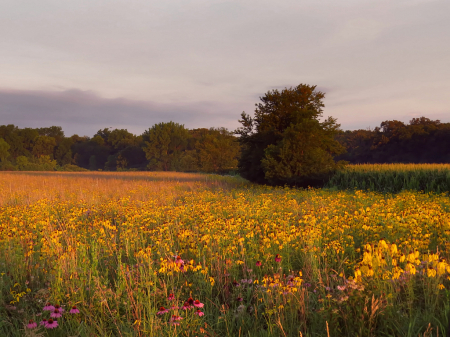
96 187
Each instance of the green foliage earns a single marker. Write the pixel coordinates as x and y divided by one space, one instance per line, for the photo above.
63 152
218 151
22 163
71 168
421 141
44 146
285 142
4 150
121 138
166 142
393 178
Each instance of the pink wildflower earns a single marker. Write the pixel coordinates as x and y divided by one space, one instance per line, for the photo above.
198 304
49 307
162 311
61 310
200 313
43 322
278 258
51 324
174 320
31 324
74 310
171 297
174 307
186 306
258 263
55 314
179 260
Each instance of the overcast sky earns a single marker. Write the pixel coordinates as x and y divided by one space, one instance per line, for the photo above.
89 64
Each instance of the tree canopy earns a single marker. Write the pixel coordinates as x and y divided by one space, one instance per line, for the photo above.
421 141
286 142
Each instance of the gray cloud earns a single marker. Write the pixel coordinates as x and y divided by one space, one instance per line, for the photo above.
85 112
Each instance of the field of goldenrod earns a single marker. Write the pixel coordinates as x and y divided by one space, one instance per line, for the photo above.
170 254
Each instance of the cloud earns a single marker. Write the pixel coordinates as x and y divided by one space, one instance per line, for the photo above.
85 112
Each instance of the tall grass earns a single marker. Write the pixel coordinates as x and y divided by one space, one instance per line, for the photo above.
393 178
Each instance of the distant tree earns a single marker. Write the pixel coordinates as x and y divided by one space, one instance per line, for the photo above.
218 151
63 152
285 142
22 163
119 139
92 163
97 139
111 163
10 133
134 156
165 145
189 161
28 137
55 132
4 150
122 162
421 141
44 146
46 163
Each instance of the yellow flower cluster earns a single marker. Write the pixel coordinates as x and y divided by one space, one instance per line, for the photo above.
282 285
385 261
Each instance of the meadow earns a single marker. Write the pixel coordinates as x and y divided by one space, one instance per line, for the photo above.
177 254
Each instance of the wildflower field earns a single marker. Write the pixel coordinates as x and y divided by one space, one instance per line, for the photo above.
173 254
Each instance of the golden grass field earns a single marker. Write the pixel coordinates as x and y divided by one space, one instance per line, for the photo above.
177 254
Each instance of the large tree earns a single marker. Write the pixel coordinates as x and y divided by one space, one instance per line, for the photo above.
165 145
286 142
218 151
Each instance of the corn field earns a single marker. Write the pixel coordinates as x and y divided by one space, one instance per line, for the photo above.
393 178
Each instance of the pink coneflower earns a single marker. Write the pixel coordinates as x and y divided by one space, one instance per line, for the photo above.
198 304
186 306
278 258
48 307
190 301
51 324
174 320
239 299
179 260
61 310
258 263
199 312
174 307
43 322
162 311
171 297
55 314
31 324
74 310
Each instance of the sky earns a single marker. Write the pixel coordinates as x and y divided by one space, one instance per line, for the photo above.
85 65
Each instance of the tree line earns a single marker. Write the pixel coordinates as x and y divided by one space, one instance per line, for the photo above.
422 140
163 147
286 141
